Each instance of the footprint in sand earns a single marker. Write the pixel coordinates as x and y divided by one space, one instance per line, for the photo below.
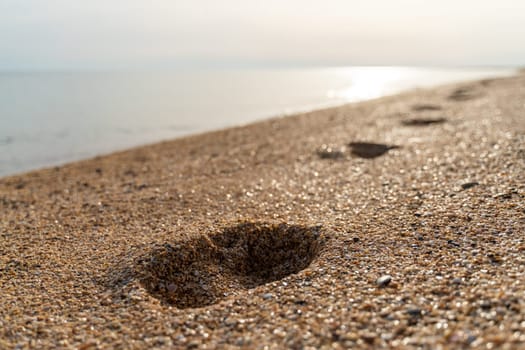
201 271
426 107
369 150
487 82
463 94
423 121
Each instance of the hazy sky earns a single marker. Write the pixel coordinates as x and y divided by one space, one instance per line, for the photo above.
124 34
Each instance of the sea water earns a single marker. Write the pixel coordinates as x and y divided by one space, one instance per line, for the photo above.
49 118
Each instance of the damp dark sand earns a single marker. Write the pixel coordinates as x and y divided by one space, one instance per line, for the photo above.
398 222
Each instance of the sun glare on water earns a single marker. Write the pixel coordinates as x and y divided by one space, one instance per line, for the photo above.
369 82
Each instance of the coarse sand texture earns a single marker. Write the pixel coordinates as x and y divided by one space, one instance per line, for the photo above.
392 223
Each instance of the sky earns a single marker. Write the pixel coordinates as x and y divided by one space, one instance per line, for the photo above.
133 34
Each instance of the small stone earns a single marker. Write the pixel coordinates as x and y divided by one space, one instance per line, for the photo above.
470 339
193 344
468 185
267 296
485 305
384 280
414 312
369 338
457 281
453 243
230 322
350 336
330 152
172 287
387 336
494 259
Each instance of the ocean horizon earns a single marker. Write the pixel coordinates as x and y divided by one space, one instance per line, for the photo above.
51 118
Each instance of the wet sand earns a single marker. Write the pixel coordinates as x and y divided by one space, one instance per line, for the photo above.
395 223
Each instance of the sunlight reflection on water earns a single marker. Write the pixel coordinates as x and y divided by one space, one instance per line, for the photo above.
369 82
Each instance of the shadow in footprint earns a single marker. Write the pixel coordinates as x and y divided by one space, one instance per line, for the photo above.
369 150
425 107
200 271
423 121
463 94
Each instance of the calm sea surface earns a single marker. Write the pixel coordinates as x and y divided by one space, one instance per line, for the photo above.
52 118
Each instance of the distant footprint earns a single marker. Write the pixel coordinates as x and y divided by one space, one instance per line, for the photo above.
369 150
487 82
425 107
463 94
423 121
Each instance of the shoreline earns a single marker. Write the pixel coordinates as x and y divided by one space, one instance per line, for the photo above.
394 222
26 150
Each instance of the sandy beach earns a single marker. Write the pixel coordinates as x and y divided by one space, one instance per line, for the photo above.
392 223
